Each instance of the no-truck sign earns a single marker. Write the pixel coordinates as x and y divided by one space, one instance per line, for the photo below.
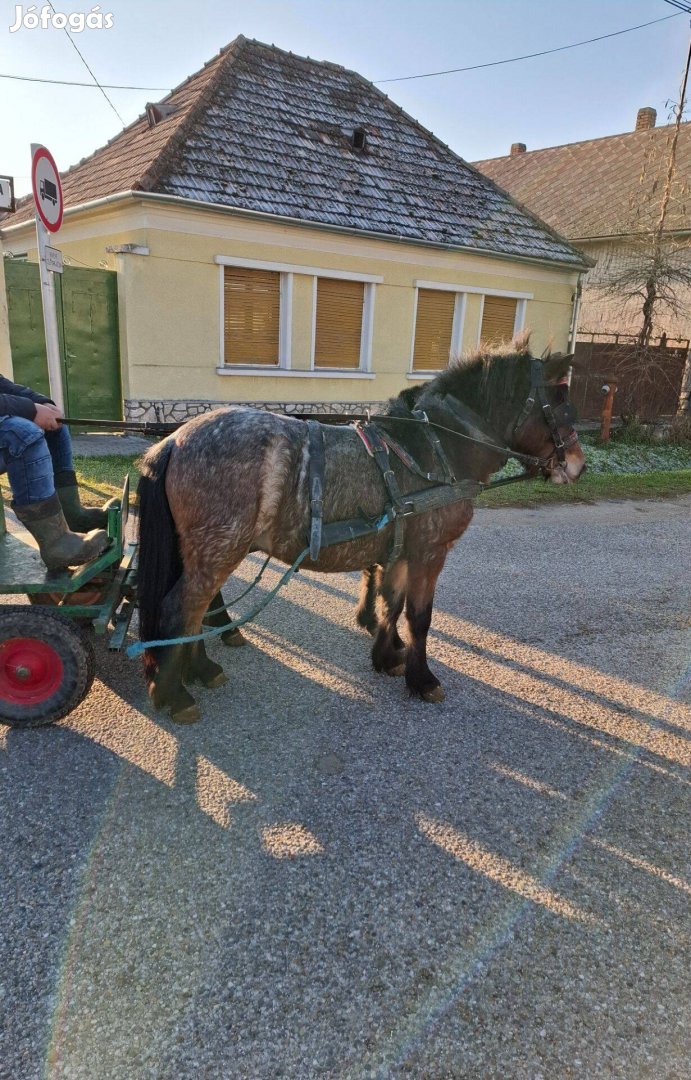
45 181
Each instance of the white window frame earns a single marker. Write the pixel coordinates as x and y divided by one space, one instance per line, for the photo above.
365 365
457 325
284 366
521 306
462 291
285 322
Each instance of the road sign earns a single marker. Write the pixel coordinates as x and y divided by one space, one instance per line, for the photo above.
7 194
45 181
53 260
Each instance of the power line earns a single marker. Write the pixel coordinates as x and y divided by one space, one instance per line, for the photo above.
402 78
528 56
81 57
88 85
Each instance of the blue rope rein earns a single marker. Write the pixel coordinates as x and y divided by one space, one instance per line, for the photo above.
236 599
138 647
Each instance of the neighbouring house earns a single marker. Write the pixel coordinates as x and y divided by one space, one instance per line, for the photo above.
277 231
604 195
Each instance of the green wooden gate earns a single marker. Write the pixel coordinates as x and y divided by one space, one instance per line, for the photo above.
87 305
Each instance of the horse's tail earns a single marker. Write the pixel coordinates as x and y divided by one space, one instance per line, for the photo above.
160 564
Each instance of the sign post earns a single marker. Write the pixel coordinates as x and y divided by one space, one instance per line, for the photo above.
45 181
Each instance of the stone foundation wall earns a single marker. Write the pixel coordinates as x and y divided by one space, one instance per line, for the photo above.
178 411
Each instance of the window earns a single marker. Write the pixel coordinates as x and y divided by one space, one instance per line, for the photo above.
251 316
338 325
498 319
434 327
359 139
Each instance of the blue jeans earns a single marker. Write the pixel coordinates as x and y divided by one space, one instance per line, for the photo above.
31 457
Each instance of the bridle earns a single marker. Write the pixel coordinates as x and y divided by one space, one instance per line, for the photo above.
555 417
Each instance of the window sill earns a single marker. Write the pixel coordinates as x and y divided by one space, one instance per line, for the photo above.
289 373
423 376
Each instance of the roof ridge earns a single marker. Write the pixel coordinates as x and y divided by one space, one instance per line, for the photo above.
584 142
224 59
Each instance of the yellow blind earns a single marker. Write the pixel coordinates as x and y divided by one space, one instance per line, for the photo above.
433 327
498 320
339 323
251 310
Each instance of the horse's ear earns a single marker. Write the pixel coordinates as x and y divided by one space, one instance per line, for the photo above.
557 366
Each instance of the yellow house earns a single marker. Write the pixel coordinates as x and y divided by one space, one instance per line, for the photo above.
284 234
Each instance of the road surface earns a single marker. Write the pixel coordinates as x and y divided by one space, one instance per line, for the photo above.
324 879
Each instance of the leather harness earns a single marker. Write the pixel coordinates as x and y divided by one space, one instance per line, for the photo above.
379 444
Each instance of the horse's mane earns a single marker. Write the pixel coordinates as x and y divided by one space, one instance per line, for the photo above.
477 379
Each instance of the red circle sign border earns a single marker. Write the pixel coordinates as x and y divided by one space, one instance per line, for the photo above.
42 152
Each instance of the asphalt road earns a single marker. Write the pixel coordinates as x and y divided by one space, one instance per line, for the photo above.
324 879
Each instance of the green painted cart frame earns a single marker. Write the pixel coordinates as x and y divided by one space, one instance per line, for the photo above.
46 659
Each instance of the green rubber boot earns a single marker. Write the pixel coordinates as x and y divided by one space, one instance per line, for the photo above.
58 546
79 518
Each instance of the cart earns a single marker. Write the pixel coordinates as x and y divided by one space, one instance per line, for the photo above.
47 661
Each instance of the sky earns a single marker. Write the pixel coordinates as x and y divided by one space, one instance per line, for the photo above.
584 93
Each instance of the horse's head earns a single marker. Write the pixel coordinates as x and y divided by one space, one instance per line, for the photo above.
544 428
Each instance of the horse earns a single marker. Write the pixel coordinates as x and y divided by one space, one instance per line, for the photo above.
237 480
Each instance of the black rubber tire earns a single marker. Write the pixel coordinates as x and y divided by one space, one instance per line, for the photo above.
73 648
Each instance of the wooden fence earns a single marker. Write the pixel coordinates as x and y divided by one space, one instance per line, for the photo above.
647 386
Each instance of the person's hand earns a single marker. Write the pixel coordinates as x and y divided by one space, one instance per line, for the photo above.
47 417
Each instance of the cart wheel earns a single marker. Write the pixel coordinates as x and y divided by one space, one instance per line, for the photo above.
47 666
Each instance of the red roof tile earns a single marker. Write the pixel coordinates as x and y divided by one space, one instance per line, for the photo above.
600 187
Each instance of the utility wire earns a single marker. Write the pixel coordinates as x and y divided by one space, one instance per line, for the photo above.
81 57
528 56
378 82
88 85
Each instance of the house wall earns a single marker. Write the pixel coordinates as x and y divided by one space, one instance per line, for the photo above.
604 313
170 303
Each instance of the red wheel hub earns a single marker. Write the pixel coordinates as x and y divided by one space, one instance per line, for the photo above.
30 671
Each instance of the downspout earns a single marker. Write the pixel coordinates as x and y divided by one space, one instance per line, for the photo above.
575 313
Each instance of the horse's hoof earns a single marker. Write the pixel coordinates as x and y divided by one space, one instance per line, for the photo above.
212 682
233 639
186 714
398 670
434 694
366 623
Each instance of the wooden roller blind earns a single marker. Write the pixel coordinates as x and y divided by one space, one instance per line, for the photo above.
251 311
338 330
433 328
498 320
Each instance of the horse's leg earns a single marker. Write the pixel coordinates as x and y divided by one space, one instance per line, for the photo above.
232 638
370 583
205 571
422 579
182 612
388 651
167 666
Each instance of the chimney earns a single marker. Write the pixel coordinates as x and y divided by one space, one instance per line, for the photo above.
646 118
517 148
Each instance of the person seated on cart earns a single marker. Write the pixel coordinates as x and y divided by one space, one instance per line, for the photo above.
36 452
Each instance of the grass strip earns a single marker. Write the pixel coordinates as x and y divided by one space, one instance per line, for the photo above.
102 477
